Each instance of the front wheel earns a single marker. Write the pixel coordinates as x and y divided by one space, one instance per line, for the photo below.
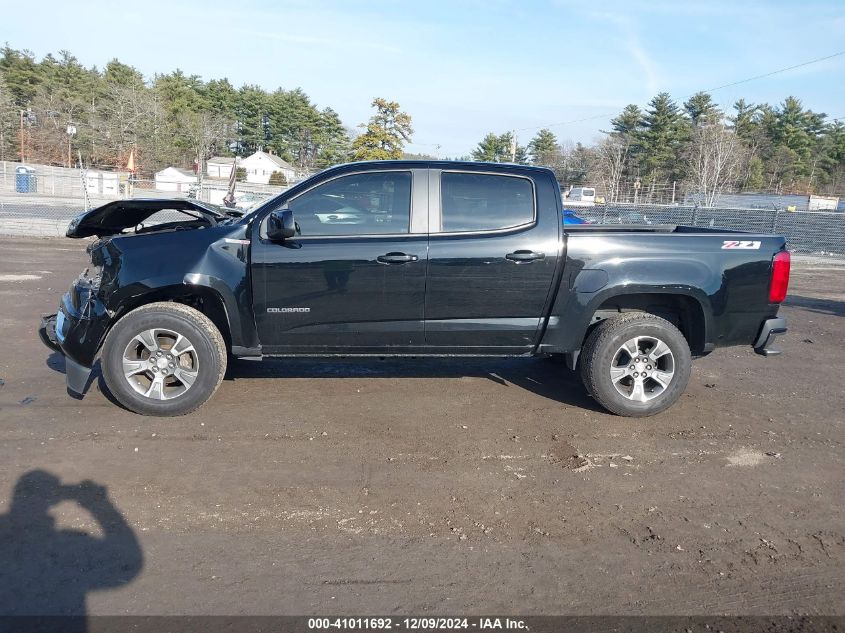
163 359
636 365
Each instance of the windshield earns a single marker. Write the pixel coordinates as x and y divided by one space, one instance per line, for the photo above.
249 211
211 208
253 206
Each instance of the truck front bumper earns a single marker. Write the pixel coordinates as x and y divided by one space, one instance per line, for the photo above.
76 331
76 375
769 331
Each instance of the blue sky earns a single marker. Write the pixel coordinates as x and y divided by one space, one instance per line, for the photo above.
465 67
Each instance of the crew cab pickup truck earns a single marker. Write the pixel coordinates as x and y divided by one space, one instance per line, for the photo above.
410 259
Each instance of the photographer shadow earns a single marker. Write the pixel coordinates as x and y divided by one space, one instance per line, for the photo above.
46 571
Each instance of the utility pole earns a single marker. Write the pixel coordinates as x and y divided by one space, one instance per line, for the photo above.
23 155
513 146
83 174
71 130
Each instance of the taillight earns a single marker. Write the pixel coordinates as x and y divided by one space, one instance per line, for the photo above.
780 277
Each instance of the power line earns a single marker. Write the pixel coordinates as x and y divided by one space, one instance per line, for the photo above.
775 72
734 83
728 85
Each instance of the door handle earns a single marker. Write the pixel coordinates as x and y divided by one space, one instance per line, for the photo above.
523 257
396 258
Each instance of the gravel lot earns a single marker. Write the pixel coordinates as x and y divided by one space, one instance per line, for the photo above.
429 486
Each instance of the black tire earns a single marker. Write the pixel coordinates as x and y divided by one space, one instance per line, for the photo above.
208 352
601 351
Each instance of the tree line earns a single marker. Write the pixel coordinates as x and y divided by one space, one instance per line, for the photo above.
696 147
56 111
179 119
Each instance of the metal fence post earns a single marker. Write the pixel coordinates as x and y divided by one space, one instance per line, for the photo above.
775 221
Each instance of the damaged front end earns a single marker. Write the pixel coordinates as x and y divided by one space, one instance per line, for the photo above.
77 329
146 251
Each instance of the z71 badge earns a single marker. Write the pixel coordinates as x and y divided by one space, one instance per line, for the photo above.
747 244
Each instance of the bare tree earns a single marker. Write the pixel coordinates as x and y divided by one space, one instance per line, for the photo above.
202 133
8 119
611 160
49 139
122 120
715 162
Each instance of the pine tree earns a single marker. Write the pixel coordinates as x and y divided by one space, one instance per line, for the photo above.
744 121
490 149
500 148
387 132
251 119
629 121
21 74
544 149
701 110
661 140
119 74
333 144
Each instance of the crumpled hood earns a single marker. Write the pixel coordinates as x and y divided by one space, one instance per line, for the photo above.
114 217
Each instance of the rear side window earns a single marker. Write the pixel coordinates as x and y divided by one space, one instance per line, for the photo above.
485 202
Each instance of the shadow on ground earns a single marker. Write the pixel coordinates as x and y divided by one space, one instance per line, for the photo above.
56 362
821 306
541 376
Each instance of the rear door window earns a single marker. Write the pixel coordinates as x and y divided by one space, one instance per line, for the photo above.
484 202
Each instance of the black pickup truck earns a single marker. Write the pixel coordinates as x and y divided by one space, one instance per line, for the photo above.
408 258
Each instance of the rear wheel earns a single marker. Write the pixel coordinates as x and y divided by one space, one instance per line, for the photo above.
163 359
636 364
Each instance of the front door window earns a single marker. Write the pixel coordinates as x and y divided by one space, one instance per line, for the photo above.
374 203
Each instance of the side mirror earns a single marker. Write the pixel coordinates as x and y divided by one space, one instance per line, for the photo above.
281 225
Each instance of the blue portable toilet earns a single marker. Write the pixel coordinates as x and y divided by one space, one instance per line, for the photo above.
25 181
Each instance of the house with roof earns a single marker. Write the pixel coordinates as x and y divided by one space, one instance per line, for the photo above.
219 166
259 167
175 179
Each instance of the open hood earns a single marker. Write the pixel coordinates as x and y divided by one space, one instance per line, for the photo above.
118 216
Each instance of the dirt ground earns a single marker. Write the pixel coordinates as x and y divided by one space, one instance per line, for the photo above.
428 486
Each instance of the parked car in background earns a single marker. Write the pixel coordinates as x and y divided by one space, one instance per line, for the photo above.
582 194
569 217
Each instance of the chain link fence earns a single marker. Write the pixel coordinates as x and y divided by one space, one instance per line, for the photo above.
807 232
44 203
42 200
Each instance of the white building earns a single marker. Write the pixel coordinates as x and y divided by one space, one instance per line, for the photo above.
219 166
103 183
259 167
175 179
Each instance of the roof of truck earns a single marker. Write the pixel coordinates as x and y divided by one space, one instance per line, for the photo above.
443 164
